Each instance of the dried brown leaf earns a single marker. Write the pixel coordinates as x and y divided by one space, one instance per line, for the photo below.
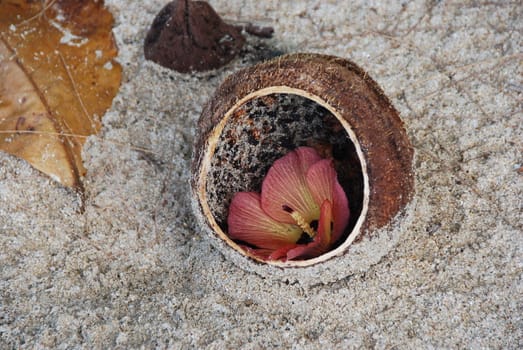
57 78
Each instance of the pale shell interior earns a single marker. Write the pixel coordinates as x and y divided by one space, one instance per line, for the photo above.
262 127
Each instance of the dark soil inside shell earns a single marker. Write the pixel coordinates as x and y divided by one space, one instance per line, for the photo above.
266 128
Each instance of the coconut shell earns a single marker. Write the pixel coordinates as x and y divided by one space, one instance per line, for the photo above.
190 36
325 89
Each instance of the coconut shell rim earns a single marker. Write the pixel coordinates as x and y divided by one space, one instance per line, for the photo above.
273 77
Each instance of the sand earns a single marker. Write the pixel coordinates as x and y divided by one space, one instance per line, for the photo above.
128 267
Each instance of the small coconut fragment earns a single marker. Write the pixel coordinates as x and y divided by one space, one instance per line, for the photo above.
328 103
190 36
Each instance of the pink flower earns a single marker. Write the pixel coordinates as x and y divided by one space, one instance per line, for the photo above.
301 212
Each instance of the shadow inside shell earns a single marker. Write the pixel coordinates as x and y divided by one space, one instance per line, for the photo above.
266 128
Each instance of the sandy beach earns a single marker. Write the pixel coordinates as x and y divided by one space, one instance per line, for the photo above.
126 265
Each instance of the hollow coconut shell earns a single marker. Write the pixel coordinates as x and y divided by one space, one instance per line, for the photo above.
335 87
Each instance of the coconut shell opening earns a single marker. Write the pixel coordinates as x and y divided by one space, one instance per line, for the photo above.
265 128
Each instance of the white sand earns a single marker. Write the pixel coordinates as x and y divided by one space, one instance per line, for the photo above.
133 271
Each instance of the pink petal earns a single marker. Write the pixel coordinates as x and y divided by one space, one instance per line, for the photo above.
307 157
269 254
340 211
250 224
285 186
260 253
320 179
322 240
282 252
323 184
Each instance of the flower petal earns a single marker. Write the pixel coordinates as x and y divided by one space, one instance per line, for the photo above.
340 211
323 184
320 179
285 186
260 253
322 240
250 224
281 254
307 157
269 254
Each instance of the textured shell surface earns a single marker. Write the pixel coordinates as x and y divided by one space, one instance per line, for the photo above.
262 112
